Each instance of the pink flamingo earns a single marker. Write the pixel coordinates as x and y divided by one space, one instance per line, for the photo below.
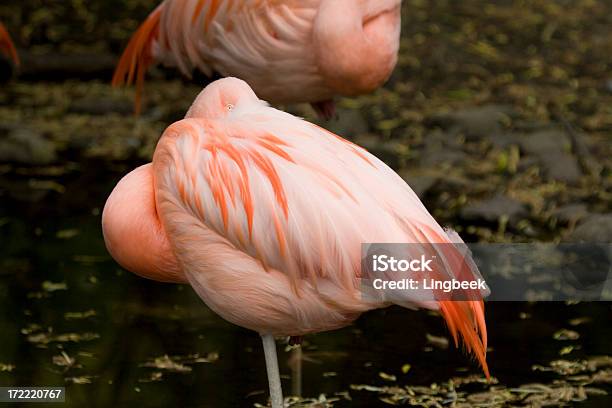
288 51
6 45
263 214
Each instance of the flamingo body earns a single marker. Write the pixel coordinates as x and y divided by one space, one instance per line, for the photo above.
287 50
264 215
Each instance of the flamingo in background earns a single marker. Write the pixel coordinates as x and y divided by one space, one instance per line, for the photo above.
6 45
288 51
263 214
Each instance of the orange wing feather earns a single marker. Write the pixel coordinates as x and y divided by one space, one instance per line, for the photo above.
137 57
6 45
464 318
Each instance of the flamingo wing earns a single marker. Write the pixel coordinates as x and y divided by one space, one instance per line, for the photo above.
295 196
246 38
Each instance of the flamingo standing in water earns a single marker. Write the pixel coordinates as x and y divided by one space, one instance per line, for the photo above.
263 214
6 45
288 51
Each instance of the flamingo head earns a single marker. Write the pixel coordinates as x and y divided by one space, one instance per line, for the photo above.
222 97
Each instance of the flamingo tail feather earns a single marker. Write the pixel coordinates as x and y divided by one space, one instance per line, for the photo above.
465 318
138 57
7 47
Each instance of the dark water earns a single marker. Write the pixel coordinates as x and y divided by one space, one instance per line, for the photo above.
51 236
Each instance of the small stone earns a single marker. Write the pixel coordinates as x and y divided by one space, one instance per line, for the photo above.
492 209
442 157
439 140
504 140
595 228
544 142
526 163
26 146
562 167
570 213
551 148
475 123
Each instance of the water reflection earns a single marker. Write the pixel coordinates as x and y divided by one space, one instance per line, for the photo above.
70 316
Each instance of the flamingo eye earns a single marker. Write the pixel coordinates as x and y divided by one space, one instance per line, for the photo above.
230 106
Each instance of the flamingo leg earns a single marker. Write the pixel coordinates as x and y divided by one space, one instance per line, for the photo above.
325 109
296 371
276 392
